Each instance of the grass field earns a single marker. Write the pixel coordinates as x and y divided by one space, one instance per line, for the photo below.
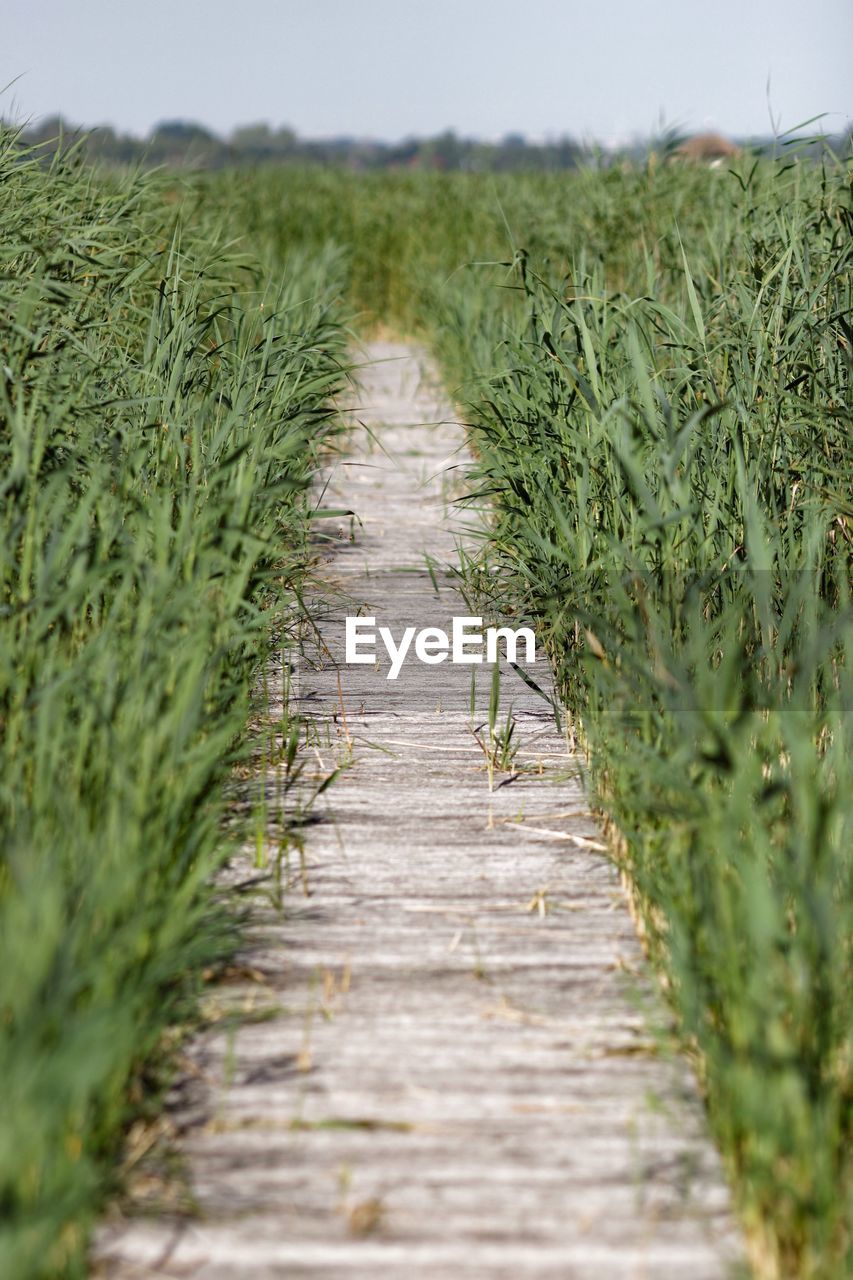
665 434
656 367
163 398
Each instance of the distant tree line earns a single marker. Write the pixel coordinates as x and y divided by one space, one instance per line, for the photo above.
185 143
180 142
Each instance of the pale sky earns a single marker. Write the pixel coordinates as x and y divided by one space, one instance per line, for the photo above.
601 70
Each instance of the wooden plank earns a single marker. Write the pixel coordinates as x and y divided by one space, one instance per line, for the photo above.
465 1071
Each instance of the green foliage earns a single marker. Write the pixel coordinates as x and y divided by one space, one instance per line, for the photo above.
399 233
664 427
657 364
162 400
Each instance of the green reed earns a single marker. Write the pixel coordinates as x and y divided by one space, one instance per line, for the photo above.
656 365
163 397
665 436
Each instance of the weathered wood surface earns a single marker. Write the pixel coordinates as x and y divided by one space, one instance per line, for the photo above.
463 1073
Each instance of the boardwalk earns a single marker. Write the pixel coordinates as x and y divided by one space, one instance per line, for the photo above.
461 1073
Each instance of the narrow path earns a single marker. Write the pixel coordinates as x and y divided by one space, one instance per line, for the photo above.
457 1073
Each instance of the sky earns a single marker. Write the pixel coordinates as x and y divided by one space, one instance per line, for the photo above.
605 70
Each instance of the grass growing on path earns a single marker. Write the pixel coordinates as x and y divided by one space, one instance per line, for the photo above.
162 399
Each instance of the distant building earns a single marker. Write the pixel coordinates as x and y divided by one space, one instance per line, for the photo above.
706 148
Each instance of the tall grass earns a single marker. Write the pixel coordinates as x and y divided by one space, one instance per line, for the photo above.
162 401
667 446
658 368
657 364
